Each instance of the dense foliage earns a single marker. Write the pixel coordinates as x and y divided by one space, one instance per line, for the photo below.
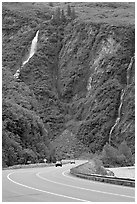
68 95
24 135
120 156
93 75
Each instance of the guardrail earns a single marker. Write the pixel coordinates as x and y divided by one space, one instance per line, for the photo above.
106 179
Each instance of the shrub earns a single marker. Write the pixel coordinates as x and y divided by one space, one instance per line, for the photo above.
98 162
120 156
121 159
110 151
126 151
109 155
99 169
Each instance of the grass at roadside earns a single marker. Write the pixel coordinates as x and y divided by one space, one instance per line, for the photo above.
94 172
93 167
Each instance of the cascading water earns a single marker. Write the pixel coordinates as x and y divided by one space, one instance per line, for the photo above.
33 48
129 67
121 98
31 53
118 118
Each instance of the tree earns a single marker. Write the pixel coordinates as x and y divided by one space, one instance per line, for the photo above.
51 158
12 156
73 13
126 151
57 15
68 10
28 154
63 18
120 156
109 151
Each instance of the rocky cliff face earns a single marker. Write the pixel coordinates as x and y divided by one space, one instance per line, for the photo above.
93 71
75 80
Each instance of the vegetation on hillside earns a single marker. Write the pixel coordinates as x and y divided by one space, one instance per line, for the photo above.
93 74
67 97
121 156
24 137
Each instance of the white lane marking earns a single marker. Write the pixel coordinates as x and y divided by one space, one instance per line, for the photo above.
8 176
75 178
103 192
100 183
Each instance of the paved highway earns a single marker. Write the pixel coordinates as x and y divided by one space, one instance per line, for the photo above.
55 184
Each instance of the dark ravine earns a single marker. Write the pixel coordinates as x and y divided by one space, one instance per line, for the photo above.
79 84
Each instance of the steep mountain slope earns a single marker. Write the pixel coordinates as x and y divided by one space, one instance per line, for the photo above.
70 93
24 135
93 71
67 145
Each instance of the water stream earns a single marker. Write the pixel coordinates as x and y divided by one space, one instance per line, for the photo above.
31 53
121 99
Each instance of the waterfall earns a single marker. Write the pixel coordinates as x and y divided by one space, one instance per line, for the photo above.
121 98
119 113
31 53
129 67
33 48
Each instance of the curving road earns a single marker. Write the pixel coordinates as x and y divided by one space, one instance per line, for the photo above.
55 184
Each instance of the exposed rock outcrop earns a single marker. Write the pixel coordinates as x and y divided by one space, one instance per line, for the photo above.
93 70
73 85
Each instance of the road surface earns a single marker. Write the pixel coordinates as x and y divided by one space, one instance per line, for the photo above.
55 184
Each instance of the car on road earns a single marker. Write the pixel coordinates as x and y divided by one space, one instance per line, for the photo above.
58 163
72 161
28 162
